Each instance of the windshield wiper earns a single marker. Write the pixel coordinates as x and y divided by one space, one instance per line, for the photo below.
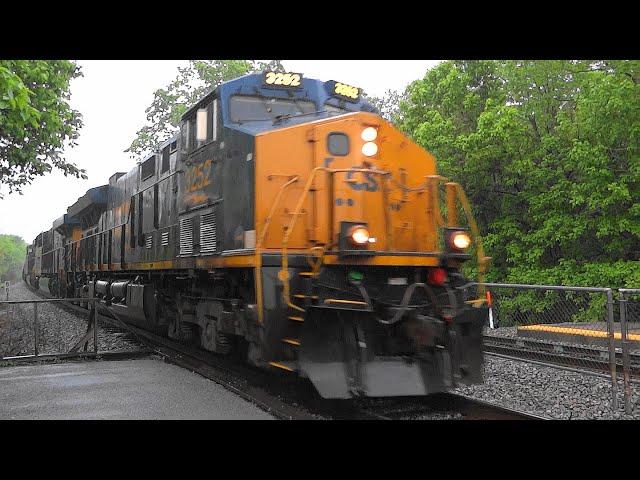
287 116
295 101
242 120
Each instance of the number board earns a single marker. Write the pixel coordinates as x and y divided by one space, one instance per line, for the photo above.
279 80
342 90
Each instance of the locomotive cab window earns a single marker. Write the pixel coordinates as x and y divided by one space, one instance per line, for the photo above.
245 108
201 125
148 168
212 132
166 159
334 110
184 136
167 152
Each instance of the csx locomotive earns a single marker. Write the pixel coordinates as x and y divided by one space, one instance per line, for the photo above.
289 223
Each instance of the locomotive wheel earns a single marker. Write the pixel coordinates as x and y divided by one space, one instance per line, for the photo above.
173 331
54 287
223 344
213 340
180 331
187 333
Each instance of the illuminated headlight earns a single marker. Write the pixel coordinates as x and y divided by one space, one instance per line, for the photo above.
369 149
369 134
461 240
359 235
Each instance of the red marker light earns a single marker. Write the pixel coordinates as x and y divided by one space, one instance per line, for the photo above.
437 276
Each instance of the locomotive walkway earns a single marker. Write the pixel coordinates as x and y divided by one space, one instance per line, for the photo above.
128 389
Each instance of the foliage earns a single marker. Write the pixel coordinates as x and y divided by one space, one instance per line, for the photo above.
388 105
12 255
548 153
36 121
191 84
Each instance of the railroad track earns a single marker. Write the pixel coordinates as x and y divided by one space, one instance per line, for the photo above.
444 404
579 357
293 398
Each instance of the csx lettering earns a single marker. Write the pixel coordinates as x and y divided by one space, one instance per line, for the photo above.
371 185
284 79
346 90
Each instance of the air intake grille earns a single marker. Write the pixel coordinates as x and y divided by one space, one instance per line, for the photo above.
208 233
148 241
186 236
164 239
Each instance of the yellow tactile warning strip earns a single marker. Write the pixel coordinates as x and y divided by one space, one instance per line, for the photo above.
579 331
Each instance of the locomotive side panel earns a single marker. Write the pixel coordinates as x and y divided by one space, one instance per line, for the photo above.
215 191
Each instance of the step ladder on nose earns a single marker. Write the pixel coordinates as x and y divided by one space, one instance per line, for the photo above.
295 317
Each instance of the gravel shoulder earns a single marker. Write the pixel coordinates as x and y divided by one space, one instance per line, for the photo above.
548 391
59 330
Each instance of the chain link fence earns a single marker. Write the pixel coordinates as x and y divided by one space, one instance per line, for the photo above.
40 328
575 329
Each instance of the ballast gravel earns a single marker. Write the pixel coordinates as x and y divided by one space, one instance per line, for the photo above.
550 392
58 330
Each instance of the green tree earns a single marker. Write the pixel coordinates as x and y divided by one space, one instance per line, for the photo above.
548 154
388 105
12 255
191 84
36 121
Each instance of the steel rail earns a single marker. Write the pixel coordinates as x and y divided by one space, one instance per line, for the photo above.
557 355
469 407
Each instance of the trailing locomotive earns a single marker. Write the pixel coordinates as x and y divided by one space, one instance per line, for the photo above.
289 223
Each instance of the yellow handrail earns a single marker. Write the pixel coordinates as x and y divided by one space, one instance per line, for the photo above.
267 221
482 260
284 273
258 248
452 221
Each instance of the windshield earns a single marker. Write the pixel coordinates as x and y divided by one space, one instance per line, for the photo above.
244 108
334 110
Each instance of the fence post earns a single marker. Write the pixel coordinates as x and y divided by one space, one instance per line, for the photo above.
94 318
6 289
612 349
35 327
625 352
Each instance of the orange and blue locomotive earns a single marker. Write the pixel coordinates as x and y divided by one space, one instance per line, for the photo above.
288 222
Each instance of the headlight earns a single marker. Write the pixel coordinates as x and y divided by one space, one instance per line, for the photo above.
369 134
461 240
369 149
359 235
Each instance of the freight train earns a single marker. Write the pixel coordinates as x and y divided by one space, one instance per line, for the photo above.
289 223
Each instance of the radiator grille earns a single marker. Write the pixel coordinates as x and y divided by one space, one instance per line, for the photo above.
148 241
164 239
208 233
186 236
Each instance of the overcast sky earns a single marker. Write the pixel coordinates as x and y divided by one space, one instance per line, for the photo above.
112 97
